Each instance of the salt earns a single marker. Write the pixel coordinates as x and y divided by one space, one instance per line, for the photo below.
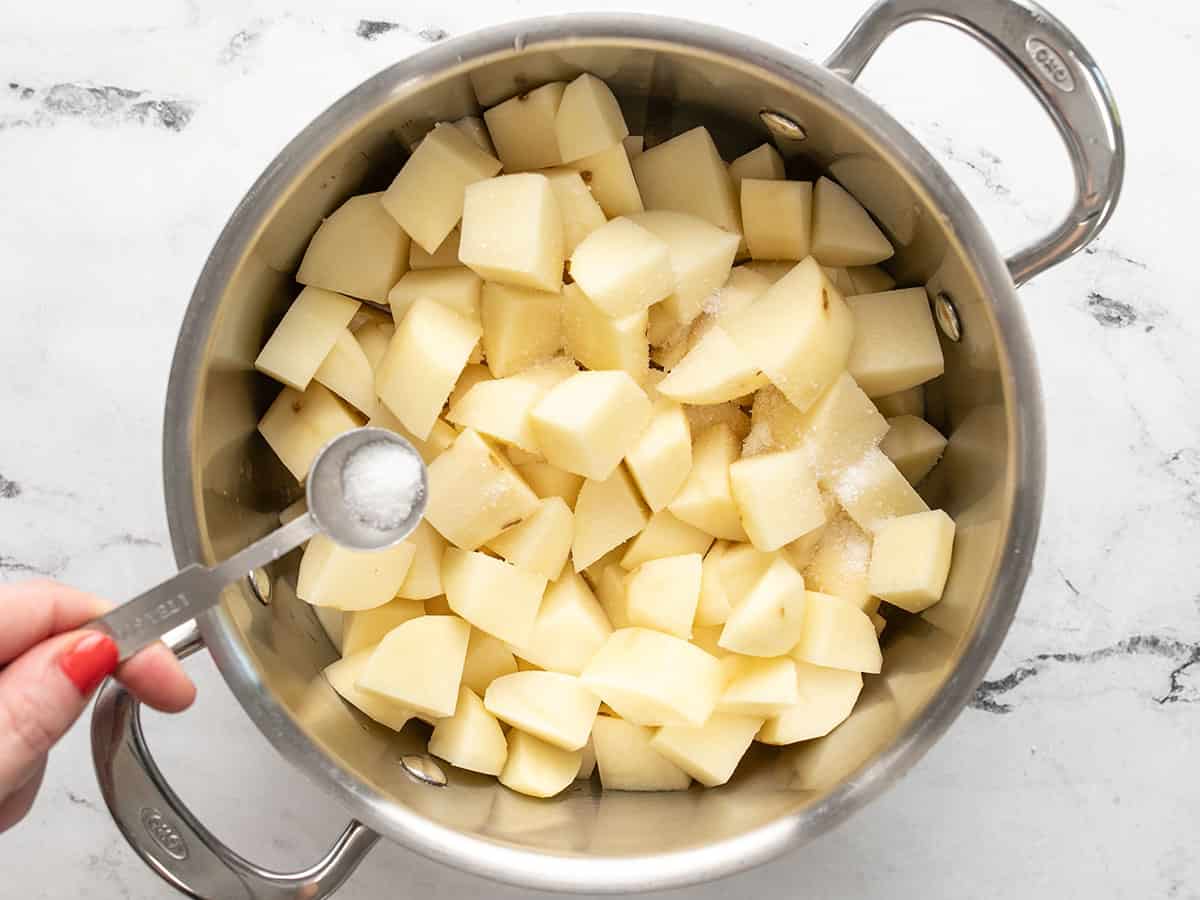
381 482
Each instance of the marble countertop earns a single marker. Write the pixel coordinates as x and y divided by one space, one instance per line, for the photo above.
130 129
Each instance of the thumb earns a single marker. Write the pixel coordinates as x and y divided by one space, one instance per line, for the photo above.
42 693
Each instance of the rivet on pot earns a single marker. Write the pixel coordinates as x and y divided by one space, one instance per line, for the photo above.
947 316
260 585
783 126
423 768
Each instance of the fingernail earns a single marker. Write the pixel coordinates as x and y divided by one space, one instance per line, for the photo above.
89 661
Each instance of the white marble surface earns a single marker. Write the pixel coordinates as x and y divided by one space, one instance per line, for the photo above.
1074 773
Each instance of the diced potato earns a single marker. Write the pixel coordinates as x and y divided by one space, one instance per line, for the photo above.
662 594
634 144
715 604
552 706
799 333
441 435
538 769
827 697
419 664
706 499
474 128
911 560
522 128
305 335
668 355
374 339
759 687
913 445
731 415
297 425
589 119
471 376
542 542
609 175
840 427
359 250
332 575
869 279
570 626
628 762
427 354
763 162
663 536
651 678
348 373
707 640
607 513
710 752
837 635
587 762
662 330
661 458
581 214
488 658
767 622
550 481
599 341
512 232
519 457
342 676
843 233
610 592
426 198
903 403
895 342
474 493
500 408
777 218
873 490
741 566
623 268
777 497
444 257
587 423
687 174
741 288
840 562
714 371
701 258
364 628
457 288
471 738
492 595
771 270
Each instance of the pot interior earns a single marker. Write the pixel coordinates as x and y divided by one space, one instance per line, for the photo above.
664 88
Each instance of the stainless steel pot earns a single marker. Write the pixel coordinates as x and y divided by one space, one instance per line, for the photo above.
224 488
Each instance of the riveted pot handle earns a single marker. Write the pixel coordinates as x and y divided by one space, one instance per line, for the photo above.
1057 69
170 840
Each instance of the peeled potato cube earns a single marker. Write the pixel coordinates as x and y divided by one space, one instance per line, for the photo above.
701 258
474 128
730 414
687 174
607 513
767 622
663 536
838 635
777 497
360 250
500 408
777 217
424 578
542 542
538 769
522 128
342 676
902 403
913 445
439 439
471 375
714 605
840 562
297 425
600 341
709 752
570 626
840 427
419 664
661 458
609 176
741 566
581 213
622 268
651 678
911 560
895 343
427 354
843 233
799 333
714 371
471 738
488 658
587 762
873 490
305 335
662 594
589 119
374 339
741 288
348 373
628 762
552 706
610 592
587 423
869 280
491 594
706 498
759 687
826 697
331 575
512 232
444 257
763 162
456 288
364 628
426 198
550 481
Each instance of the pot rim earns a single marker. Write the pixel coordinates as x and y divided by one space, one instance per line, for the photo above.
1025 463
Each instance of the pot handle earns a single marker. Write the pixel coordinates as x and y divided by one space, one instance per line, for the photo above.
1063 77
165 834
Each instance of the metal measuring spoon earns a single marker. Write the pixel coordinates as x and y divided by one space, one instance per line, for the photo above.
141 621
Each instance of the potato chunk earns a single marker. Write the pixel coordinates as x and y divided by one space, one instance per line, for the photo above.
570 626
457 288
607 513
827 697
701 257
471 738
589 119
715 604
550 481
628 762
587 423
709 752
538 769
913 445
895 342
841 426
581 213
843 233
768 620
297 425
706 498
523 129
363 629
359 250
551 706
777 218
838 635
500 408
444 257
623 268
661 458
600 341
873 490
542 542
903 403
760 687
342 676
763 162
419 664
488 658
492 595
424 578
662 594
331 575
610 177
348 373
687 174
777 497
512 232
911 560
305 335
663 536
714 371
840 562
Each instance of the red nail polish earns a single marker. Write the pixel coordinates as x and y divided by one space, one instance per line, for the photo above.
89 661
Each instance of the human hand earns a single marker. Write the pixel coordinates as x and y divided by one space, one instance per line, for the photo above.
48 672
